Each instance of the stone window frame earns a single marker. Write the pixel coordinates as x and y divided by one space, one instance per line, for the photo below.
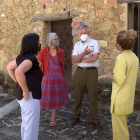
47 19
132 22
127 1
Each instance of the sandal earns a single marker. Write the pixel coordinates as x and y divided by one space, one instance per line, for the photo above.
52 124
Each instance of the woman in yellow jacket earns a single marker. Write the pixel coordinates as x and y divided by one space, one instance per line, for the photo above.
124 78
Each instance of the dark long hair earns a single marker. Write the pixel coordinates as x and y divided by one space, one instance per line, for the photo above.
30 44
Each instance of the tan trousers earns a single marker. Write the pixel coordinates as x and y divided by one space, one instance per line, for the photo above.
120 129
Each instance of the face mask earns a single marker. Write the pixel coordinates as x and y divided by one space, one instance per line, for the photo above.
55 43
39 47
84 37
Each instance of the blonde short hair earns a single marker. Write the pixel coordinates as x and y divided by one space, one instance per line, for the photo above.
50 37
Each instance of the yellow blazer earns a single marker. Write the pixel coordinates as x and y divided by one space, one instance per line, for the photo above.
126 72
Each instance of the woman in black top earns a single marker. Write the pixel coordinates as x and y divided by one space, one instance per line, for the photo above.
25 71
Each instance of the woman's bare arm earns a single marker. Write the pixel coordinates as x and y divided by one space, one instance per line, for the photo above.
11 69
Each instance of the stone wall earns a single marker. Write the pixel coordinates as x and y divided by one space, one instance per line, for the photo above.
15 22
104 17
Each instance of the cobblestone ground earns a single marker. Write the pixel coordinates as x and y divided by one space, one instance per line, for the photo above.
10 125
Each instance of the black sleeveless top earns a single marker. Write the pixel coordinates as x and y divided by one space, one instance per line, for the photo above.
33 77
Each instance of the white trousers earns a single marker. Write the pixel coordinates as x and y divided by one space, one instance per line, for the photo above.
30 112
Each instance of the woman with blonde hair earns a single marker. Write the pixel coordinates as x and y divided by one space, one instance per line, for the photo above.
54 92
124 78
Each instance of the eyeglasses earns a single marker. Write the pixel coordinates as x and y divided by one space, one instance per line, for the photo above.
56 39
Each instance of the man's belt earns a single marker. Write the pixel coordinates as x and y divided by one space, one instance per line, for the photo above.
87 68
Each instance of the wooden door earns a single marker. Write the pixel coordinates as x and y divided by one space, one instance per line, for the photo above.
64 31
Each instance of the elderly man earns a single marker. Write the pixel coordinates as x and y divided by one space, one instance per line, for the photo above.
85 54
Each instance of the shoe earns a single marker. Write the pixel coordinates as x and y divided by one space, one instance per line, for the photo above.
98 126
75 121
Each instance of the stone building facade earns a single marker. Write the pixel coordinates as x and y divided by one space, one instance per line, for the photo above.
19 17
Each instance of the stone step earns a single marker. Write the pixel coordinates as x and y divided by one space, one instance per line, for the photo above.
5 110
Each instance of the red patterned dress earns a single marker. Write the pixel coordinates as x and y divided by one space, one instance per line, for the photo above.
54 89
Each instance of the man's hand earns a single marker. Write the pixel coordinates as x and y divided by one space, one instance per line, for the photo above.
90 59
26 95
87 51
78 58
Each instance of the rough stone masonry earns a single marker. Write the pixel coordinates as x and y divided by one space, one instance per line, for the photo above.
104 17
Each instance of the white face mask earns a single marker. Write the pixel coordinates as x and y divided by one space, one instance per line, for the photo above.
84 37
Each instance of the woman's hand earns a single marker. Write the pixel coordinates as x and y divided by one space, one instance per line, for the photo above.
26 95
110 75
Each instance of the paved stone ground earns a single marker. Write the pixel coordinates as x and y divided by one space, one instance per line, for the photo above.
10 125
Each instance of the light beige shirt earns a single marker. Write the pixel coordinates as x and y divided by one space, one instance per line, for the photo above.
80 47
123 87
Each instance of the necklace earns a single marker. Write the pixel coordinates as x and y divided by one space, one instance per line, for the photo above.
57 62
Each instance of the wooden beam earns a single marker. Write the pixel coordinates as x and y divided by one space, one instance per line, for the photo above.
128 1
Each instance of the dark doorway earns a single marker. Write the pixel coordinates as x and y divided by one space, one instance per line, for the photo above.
64 31
134 23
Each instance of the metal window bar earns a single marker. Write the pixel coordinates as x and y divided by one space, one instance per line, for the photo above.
135 24
133 14
139 30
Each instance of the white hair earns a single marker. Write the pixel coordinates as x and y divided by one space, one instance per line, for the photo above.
83 27
50 37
